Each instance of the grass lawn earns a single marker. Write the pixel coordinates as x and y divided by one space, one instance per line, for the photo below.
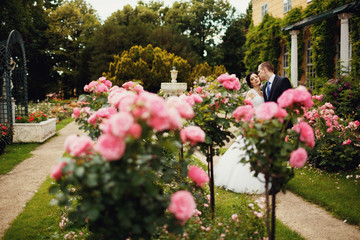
338 194
18 152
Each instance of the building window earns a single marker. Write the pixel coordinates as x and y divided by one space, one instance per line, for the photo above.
287 6
264 10
310 71
285 61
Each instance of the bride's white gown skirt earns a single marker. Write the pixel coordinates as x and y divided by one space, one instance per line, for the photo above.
233 175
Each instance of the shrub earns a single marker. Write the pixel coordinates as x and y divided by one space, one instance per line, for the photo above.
124 182
150 65
34 117
336 145
5 136
344 94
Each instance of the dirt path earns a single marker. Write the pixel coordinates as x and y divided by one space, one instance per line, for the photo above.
18 186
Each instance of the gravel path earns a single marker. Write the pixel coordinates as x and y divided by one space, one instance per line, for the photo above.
18 186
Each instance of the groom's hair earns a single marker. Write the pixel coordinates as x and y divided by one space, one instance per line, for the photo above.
268 66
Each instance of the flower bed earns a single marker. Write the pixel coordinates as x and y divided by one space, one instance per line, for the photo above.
34 132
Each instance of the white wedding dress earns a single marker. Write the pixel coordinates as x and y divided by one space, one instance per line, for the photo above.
233 175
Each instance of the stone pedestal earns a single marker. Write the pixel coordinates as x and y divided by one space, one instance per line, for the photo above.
34 132
173 89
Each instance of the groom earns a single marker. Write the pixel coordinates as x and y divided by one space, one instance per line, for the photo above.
275 85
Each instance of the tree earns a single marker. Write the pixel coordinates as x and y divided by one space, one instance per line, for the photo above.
70 27
201 21
29 18
150 65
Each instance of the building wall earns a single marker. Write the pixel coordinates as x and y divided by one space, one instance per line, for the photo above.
275 8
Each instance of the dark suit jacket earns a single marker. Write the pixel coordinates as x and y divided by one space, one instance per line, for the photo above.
279 85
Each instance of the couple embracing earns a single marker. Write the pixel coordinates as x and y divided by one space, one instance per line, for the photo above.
229 172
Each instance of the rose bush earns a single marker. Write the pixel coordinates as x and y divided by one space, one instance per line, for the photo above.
125 178
34 117
213 100
5 136
337 138
266 132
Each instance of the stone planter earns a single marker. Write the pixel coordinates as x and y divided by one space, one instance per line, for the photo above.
34 132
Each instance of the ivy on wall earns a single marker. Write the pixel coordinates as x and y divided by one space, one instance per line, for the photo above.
264 45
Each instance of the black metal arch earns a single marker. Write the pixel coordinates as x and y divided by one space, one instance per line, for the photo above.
13 78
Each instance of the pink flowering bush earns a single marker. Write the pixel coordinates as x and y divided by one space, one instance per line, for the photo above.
266 130
127 177
213 101
336 139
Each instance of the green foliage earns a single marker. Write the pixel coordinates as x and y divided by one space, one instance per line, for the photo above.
263 43
204 69
233 46
323 47
344 94
355 42
150 65
70 27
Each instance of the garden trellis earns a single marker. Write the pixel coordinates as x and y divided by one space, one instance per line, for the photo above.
13 82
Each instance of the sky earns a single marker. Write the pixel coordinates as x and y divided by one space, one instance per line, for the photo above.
106 7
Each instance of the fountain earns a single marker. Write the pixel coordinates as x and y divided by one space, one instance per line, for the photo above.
173 88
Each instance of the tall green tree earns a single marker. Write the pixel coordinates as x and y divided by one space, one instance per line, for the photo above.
233 45
29 18
70 27
201 21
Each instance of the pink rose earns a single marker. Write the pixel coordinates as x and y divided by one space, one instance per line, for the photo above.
281 113
346 142
198 176
199 89
182 205
298 158
76 112
69 141
119 123
101 88
307 134
266 110
135 131
248 101
175 119
80 146
128 85
102 79
159 123
108 84
193 134
230 82
138 88
57 171
243 113
110 147
92 119
197 98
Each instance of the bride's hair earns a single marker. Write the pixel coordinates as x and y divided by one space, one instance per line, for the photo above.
248 78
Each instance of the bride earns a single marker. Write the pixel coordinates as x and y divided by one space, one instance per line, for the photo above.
229 172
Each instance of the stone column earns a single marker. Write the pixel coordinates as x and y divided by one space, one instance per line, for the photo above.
344 40
294 58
